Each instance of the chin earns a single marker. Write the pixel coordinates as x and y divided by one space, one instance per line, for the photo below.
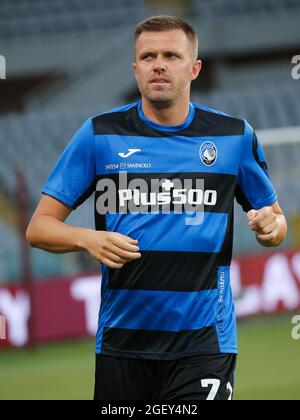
160 101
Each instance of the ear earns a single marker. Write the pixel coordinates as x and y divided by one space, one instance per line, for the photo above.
196 69
134 68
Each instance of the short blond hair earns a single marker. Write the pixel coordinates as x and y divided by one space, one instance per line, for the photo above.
167 23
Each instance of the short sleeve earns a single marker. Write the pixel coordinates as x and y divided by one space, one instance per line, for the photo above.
254 187
72 179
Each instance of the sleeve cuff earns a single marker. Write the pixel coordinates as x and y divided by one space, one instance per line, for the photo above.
59 196
265 202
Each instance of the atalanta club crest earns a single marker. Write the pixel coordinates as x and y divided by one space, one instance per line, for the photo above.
208 153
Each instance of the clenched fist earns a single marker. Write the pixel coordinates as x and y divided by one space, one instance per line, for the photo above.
265 223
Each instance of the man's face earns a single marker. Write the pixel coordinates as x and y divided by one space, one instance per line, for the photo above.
165 66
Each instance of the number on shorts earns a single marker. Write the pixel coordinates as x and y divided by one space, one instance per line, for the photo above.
214 389
229 388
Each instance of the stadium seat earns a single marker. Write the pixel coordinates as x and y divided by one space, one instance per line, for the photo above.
34 18
207 9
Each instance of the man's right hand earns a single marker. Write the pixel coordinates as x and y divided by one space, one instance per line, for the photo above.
48 231
110 248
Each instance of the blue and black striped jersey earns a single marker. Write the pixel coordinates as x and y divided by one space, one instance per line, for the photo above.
173 189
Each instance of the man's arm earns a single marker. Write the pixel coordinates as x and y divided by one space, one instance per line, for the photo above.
48 231
269 224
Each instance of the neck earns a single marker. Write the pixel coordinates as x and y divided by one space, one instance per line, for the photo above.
172 115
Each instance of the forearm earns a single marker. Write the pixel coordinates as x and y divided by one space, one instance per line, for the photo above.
278 237
52 235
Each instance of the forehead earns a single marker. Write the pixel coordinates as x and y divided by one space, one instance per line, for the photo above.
157 41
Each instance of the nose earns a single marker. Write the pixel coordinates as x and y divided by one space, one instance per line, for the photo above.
159 65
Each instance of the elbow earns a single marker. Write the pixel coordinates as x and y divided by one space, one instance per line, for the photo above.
30 237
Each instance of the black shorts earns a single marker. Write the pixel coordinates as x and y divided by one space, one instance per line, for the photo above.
204 377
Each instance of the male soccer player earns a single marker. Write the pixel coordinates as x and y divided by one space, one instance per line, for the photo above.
167 327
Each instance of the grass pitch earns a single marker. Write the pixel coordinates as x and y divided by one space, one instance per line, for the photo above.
268 366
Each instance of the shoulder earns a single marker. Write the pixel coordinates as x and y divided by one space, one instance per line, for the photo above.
238 126
103 122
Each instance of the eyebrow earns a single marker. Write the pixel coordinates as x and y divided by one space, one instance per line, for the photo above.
145 53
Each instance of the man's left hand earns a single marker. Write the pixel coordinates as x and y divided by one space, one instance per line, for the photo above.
265 224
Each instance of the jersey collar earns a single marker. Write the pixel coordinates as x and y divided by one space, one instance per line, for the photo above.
166 128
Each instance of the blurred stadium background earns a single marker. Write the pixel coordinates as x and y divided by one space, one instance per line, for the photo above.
70 59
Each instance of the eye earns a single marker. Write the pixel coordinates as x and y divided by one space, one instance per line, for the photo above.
147 57
171 55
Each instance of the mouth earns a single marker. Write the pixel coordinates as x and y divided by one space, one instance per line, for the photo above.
159 81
